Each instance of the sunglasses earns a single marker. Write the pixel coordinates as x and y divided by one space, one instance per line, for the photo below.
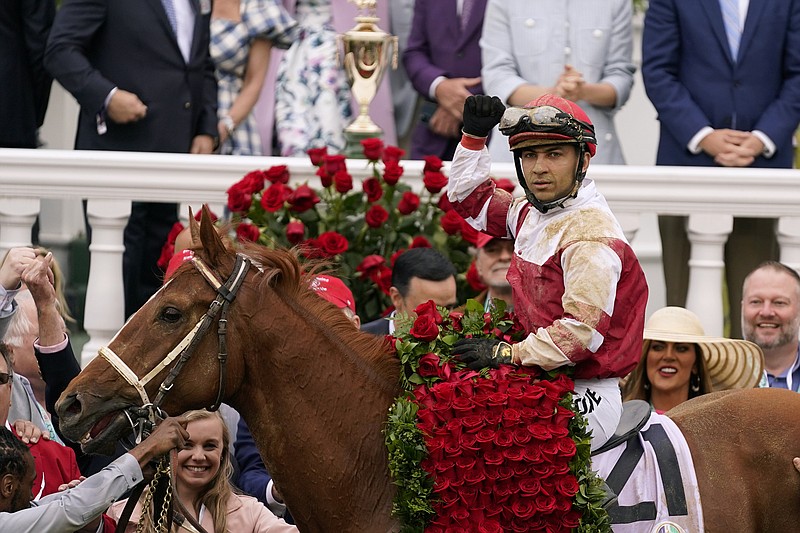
547 119
5 377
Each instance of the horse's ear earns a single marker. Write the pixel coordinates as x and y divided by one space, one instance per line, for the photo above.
194 228
212 243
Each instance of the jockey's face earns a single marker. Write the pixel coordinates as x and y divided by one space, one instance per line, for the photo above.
771 309
669 368
550 170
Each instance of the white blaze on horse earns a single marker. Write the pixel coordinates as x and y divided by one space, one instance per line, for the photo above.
246 329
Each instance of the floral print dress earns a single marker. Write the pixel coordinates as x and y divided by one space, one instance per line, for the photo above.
230 49
312 97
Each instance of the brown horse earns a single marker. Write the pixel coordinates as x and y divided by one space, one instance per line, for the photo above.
316 395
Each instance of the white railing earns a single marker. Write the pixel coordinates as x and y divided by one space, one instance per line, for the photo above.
111 180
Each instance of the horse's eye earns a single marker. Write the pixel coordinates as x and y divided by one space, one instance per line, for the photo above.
170 314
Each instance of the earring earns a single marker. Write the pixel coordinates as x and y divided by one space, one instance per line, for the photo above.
646 386
694 382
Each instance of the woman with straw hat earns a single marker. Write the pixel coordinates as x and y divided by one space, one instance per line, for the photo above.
680 362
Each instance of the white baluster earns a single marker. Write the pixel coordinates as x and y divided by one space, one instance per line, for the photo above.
17 216
789 241
105 298
708 234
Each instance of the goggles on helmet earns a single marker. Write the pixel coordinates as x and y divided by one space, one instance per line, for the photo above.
545 119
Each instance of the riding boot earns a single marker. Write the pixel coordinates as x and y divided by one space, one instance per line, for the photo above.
610 496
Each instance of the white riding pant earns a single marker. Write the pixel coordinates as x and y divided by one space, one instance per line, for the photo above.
600 401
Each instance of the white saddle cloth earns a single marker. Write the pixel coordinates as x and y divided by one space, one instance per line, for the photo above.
654 479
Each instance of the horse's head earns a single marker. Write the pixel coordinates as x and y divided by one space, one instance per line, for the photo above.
167 353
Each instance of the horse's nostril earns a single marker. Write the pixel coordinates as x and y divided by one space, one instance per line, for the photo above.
71 406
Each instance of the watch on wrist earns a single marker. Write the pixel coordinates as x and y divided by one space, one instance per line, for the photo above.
502 351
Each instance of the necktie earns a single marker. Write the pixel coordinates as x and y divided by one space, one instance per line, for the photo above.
466 8
169 7
733 24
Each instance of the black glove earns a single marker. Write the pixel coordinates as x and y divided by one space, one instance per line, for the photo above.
481 114
482 353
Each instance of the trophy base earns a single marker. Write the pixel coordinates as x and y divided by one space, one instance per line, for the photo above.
353 148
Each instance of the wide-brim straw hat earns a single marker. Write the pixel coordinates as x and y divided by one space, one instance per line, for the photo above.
731 363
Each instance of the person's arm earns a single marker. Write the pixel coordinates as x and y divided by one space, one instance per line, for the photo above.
256 70
417 56
614 87
76 507
37 18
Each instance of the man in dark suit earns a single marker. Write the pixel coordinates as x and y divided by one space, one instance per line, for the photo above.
443 62
418 275
145 82
724 76
24 82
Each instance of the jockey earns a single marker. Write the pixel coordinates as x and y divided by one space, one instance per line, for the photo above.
578 288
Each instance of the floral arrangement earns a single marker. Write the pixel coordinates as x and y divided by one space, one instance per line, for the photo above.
360 232
490 451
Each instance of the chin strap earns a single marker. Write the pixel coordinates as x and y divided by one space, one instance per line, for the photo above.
544 207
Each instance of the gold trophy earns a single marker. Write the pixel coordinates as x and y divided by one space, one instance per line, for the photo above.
367 50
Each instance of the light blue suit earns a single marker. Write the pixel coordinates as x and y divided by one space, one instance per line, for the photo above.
530 41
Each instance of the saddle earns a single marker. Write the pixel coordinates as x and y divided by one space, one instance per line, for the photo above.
635 414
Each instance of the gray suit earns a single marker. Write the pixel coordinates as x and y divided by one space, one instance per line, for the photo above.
64 512
525 42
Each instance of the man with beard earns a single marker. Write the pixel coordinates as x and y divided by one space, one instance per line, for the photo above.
771 319
492 259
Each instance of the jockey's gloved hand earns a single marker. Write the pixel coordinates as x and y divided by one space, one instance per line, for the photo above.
481 114
482 353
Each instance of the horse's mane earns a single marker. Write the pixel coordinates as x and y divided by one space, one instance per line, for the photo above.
290 279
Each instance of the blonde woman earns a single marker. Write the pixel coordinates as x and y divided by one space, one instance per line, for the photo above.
202 473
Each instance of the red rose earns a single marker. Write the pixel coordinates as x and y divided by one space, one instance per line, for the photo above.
429 309
333 164
370 265
295 231
392 172
523 508
428 365
317 155
432 164
505 184
395 255
571 520
383 279
373 148
275 196
425 328
545 503
376 216
239 200
490 526
392 153
420 242
343 181
247 232
174 231
434 181
474 279
303 198
373 189
325 179
252 182
278 174
408 203
567 485
332 243
451 223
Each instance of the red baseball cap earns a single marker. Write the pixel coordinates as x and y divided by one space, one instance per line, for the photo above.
483 239
334 290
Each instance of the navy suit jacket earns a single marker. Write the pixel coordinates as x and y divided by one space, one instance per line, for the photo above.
693 82
96 45
438 47
378 327
24 83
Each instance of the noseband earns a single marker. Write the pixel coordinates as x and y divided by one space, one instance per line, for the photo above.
226 293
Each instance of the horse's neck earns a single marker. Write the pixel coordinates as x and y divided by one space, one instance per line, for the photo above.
317 421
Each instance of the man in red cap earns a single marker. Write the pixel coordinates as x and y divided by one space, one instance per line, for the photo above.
578 288
492 260
336 292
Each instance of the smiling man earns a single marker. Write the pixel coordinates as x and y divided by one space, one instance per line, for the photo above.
771 319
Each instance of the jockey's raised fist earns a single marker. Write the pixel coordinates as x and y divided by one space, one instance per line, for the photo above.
481 114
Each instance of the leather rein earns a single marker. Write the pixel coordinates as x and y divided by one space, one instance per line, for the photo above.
144 418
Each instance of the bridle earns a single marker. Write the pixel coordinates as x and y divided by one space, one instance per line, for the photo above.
143 418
